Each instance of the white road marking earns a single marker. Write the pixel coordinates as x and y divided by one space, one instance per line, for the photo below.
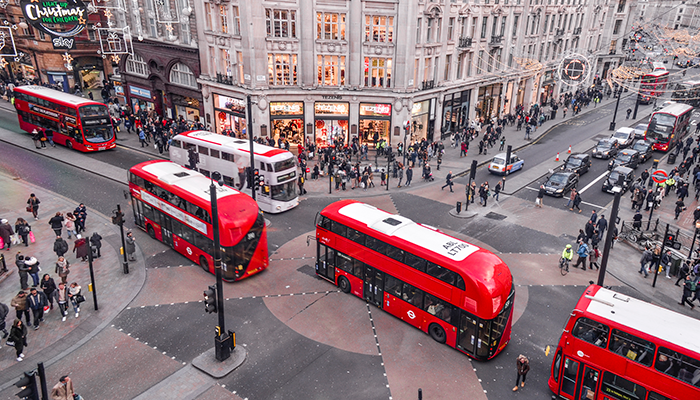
583 202
594 182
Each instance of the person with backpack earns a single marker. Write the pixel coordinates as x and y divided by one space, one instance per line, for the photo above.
4 310
582 253
60 246
96 244
689 287
647 257
595 255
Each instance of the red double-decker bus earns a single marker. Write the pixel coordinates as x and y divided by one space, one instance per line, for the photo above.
172 204
458 293
77 123
653 85
668 126
616 347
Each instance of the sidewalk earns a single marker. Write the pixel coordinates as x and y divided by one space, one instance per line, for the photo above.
56 339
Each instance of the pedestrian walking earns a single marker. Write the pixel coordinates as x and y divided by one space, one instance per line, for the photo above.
629 112
522 365
36 137
572 195
400 174
18 338
577 202
647 256
33 205
680 206
409 175
602 225
70 225
540 197
48 286
37 301
131 245
76 297
23 271
683 272
582 253
4 310
6 233
33 264
63 390
80 214
49 137
60 246
666 262
24 230
595 256
19 302
63 269
497 190
448 182
96 239
689 288
80 248
62 300
56 223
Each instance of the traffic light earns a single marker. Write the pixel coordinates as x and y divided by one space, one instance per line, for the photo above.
118 217
670 239
28 385
210 299
256 179
193 157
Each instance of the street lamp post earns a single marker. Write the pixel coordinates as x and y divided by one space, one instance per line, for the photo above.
223 341
663 248
249 131
617 104
609 237
407 130
695 236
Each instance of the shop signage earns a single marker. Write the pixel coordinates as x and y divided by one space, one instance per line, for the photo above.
61 19
229 103
286 108
420 107
375 110
333 97
137 91
331 108
118 88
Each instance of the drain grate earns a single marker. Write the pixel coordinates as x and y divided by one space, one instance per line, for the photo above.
496 216
308 270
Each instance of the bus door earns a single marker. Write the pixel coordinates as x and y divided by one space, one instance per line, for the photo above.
166 230
468 328
325 263
569 379
589 383
374 286
138 212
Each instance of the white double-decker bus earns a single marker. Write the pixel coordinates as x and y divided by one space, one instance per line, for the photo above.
231 157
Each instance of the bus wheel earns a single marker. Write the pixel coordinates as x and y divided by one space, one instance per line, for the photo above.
203 263
69 144
437 333
151 232
344 284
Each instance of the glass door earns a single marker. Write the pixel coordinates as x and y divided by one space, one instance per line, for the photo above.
569 378
374 286
467 333
166 230
589 385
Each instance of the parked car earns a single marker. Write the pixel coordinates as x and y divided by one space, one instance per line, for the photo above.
613 179
498 164
624 137
640 131
605 148
625 158
560 182
645 150
579 163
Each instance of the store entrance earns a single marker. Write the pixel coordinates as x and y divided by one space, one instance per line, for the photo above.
289 129
372 131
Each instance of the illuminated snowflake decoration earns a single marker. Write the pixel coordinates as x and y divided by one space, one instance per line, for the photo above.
116 58
67 58
574 69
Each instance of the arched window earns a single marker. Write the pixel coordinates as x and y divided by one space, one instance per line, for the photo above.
181 74
136 65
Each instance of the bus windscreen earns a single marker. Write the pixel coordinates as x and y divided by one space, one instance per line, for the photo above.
660 126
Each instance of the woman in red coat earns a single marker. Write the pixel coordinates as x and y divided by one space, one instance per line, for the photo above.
81 248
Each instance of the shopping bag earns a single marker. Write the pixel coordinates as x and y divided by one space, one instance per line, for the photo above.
2 243
31 237
15 239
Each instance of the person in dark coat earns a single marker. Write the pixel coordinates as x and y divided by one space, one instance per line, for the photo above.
60 246
48 285
80 214
409 176
33 205
33 265
684 272
523 366
22 228
130 246
602 225
56 223
18 335
6 233
81 248
23 271
37 301
688 290
4 310
96 241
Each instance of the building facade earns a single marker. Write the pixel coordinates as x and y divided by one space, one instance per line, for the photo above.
161 75
324 70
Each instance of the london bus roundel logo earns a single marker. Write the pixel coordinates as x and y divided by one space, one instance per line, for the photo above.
411 314
189 251
574 69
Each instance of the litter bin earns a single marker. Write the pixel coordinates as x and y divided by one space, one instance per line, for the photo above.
676 262
459 207
671 158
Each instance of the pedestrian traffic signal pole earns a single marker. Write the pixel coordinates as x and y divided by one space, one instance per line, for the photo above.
663 248
250 142
609 237
617 104
118 219
93 289
42 381
472 175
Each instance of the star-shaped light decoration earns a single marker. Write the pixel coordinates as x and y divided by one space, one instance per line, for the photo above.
81 21
169 28
108 13
67 58
3 62
116 58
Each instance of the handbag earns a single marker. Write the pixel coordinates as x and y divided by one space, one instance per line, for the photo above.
79 298
15 239
29 208
2 243
31 237
77 396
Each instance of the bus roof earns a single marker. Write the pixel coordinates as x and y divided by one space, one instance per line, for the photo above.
484 270
656 74
52 94
235 144
235 209
675 109
641 316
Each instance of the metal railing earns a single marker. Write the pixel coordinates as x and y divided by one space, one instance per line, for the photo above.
464 42
496 40
425 85
225 79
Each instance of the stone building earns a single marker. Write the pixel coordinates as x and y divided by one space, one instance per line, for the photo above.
319 70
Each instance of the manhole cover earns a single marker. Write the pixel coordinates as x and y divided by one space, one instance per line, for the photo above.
493 215
308 270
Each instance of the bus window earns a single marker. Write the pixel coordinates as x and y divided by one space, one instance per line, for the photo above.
344 263
412 295
393 286
590 383
568 385
415 262
678 366
214 153
441 273
358 267
656 396
176 143
616 384
632 347
395 253
375 244
356 236
557 364
438 308
591 332
339 229
203 150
